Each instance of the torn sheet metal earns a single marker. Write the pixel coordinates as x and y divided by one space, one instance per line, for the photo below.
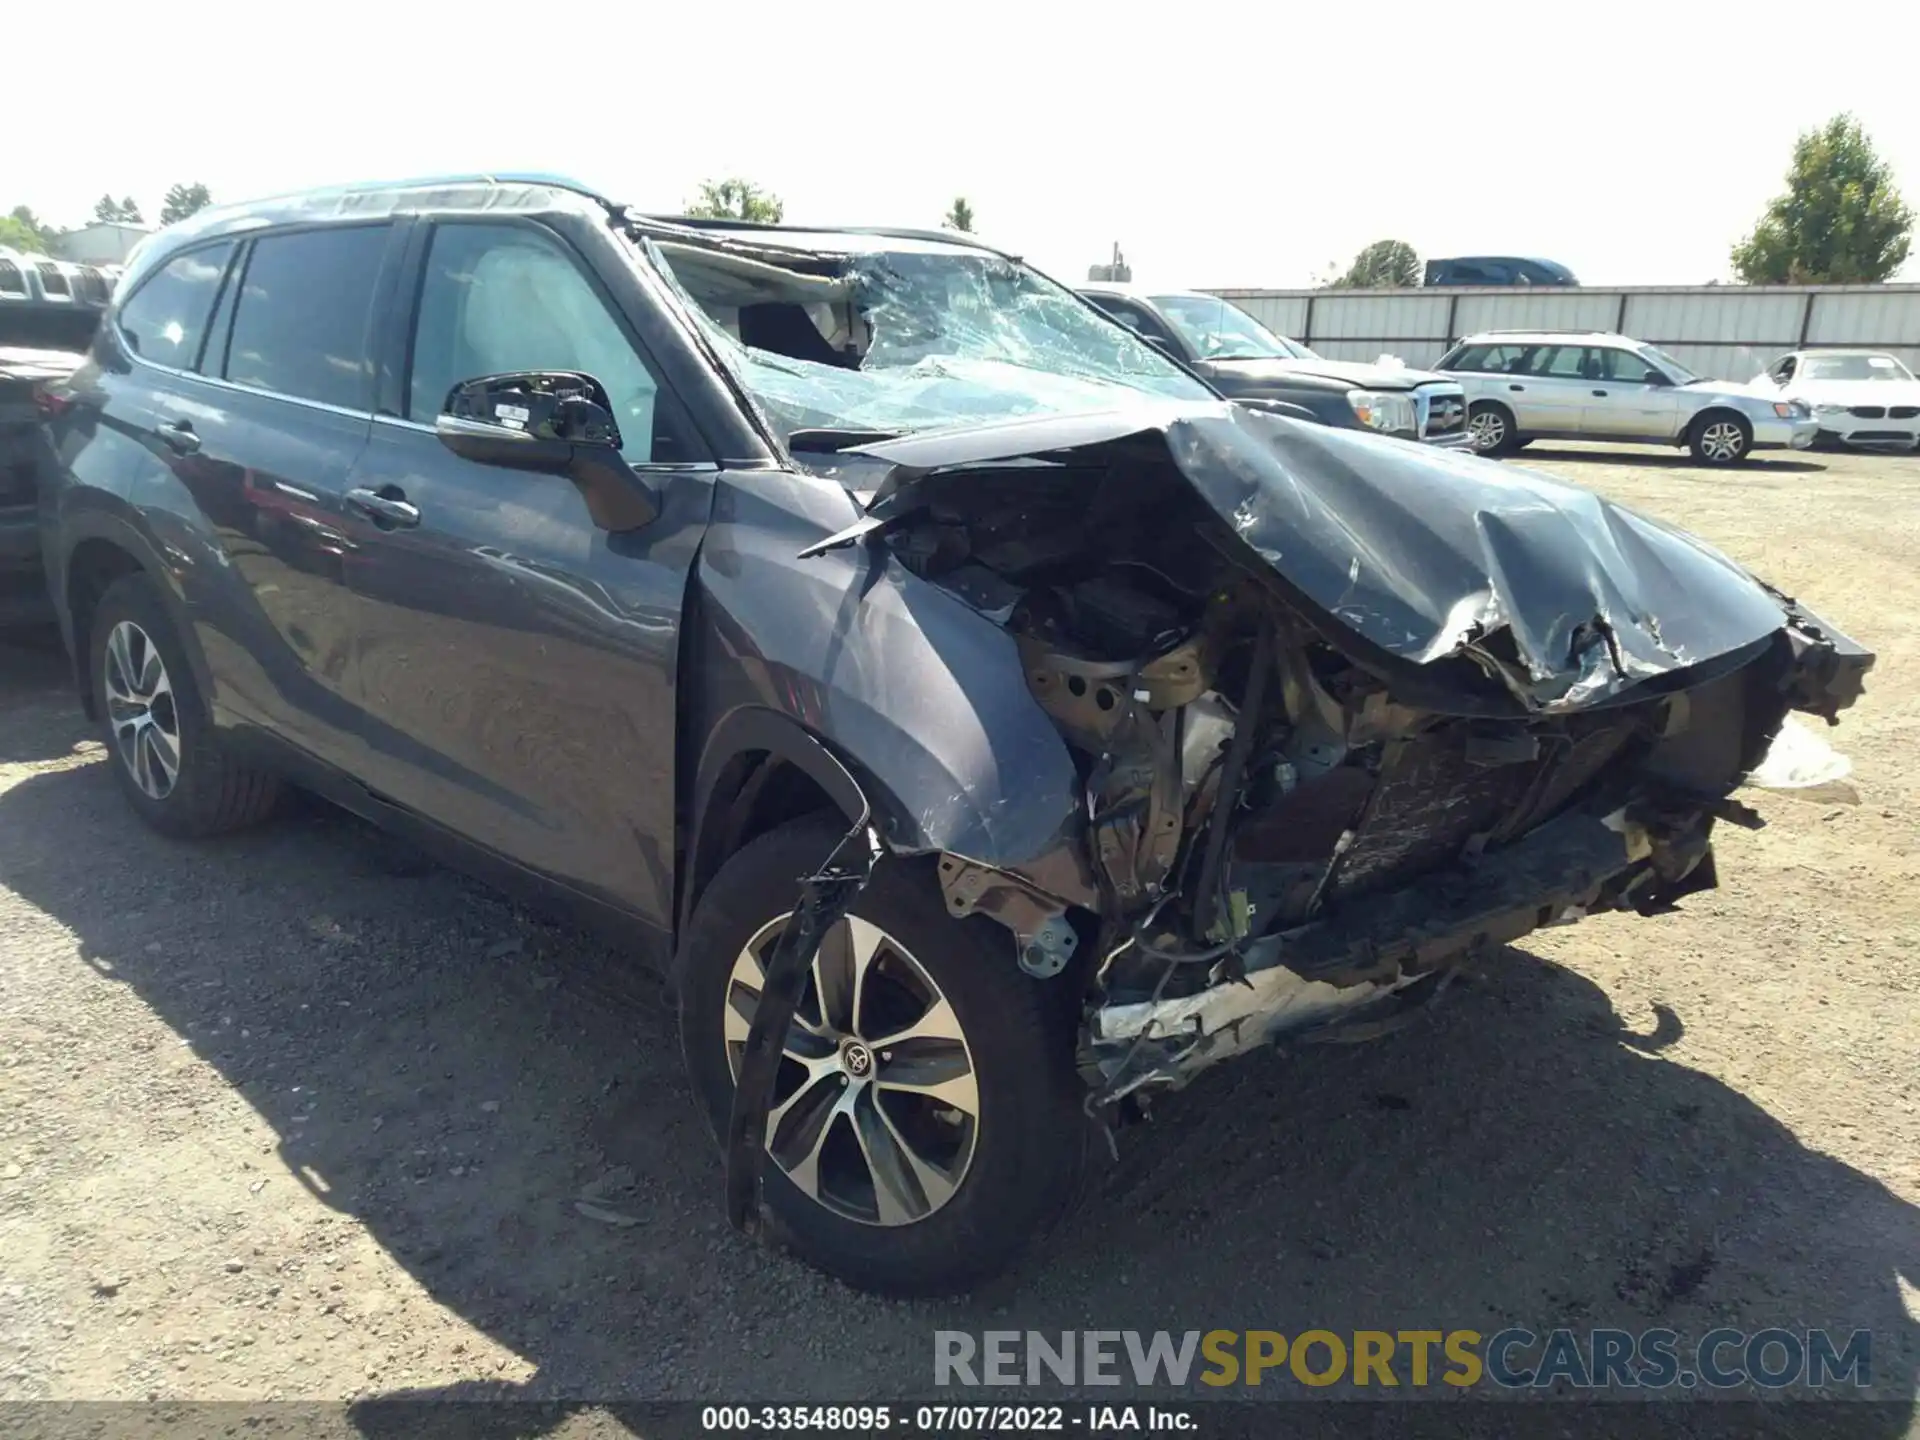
1566 598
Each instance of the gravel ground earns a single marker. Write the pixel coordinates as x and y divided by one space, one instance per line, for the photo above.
302 1115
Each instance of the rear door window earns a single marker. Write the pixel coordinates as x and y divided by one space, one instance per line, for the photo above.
1560 362
166 318
12 282
53 282
300 323
1492 359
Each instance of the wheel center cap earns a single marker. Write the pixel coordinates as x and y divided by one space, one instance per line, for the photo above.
856 1059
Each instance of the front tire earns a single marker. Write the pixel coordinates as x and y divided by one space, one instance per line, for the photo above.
170 766
926 1122
1491 426
1720 437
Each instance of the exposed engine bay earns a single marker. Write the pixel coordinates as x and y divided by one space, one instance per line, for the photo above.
1277 839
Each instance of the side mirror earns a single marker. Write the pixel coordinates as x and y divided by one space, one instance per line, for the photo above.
1165 346
1658 380
555 422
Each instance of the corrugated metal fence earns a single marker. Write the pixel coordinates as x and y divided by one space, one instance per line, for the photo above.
1730 332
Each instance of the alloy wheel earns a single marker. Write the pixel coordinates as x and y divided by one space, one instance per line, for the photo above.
1722 441
876 1109
141 706
1487 428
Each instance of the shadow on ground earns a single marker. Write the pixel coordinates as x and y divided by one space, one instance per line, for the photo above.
36 697
1763 462
463 1071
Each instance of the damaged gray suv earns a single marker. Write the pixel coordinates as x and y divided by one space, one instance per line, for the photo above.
983 721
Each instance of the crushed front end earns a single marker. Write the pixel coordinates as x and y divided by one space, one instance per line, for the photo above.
1343 718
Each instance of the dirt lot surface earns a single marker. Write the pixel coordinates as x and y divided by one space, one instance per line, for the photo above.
303 1115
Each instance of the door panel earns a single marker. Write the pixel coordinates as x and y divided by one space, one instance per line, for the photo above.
264 438
1621 401
267 474
1547 398
517 664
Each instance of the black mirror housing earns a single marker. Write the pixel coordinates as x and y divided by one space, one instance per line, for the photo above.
554 422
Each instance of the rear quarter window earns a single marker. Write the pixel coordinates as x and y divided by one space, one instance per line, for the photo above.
166 318
52 281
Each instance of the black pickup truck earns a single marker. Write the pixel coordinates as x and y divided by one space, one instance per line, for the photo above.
46 325
1244 360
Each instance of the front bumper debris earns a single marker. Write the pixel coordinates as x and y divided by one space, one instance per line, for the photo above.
1326 971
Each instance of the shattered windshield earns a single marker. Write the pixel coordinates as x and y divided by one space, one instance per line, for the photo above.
1219 331
908 339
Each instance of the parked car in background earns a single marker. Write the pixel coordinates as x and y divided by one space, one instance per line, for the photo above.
1244 360
48 311
1525 385
984 721
1859 397
1498 270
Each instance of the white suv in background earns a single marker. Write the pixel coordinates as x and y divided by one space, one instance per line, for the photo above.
1524 385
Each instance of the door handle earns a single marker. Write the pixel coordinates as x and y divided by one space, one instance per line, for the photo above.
1516 387
387 507
179 438
1600 393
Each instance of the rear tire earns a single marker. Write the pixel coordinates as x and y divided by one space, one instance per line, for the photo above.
1720 437
1491 425
976 1189
164 753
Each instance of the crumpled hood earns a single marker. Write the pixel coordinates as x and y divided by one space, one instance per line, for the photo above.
1344 372
1424 554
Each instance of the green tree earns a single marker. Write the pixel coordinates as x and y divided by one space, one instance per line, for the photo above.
16 236
22 230
736 199
1382 265
959 216
1840 222
182 201
116 212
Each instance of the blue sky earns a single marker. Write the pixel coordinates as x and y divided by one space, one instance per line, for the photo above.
1219 144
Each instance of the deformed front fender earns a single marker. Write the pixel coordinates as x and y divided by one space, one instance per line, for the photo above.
921 697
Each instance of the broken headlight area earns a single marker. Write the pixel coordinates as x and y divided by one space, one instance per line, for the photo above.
1279 837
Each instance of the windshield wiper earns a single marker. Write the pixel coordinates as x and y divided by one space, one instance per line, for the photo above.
826 440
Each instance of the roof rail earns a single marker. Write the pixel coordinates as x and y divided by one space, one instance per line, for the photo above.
418 182
1546 330
718 222
885 232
